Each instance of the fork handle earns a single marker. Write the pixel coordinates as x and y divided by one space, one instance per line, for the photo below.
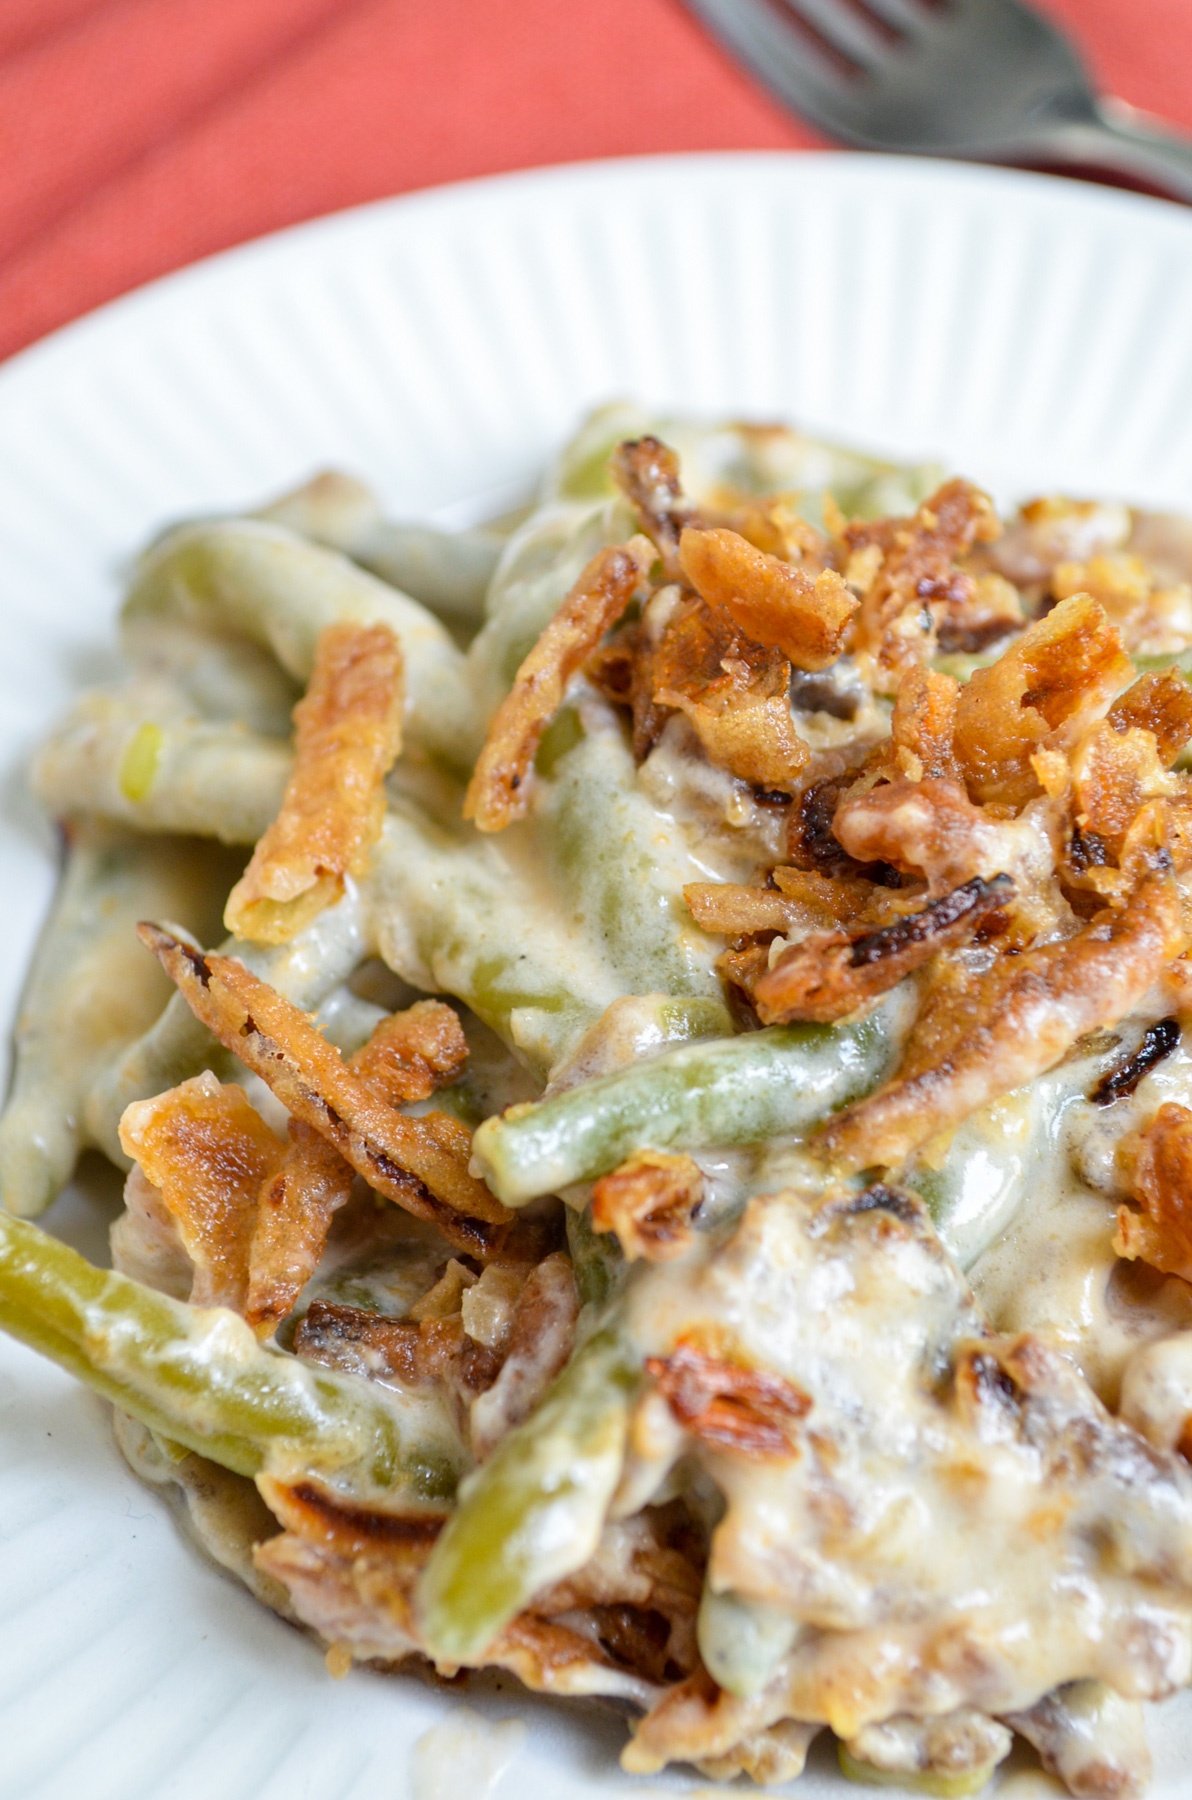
1118 138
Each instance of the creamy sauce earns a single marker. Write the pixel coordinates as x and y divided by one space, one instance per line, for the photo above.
464 1758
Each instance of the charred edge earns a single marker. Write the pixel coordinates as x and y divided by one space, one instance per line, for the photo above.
325 1319
814 844
820 693
881 1198
372 1527
970 902
1087 850
164 943
456 1226
990 1382
1158 1041
958 639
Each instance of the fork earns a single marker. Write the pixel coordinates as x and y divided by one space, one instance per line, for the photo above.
984 79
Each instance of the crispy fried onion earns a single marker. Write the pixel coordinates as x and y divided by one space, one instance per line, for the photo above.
539 1341
774 602
206 1150
729 1406
722 1734
621 1626
1151 613
347 733
735 693
798 898
921 728
408 1056
421 1163
1156 1164
830 974
1114 773
649 1203
647 472
932 829
412 1352
1160 704
1041 693
499 791
911 586
981 1034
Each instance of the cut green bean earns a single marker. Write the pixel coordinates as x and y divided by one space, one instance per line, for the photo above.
144 769
738 1090
91 991
534 1512
938 1784
447 571
753 459
220 675
449 915
742 1641
621 865
280 591
538 567
199 1377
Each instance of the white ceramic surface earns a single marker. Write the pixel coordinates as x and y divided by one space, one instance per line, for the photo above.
1035 334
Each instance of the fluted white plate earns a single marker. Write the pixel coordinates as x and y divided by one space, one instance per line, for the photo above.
1034 334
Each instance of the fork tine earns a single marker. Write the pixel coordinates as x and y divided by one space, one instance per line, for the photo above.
776 50
842 29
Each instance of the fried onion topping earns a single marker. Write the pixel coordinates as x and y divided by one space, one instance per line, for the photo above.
207 1151
649 1204
1042 692
499 791
1157 1165
750 1412
774 602
910 581
830 974
981 1034
647 472
412 1161
347 733
735 693
409 1055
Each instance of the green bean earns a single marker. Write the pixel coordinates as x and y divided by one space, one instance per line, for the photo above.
621 865
221 675
997 1156
449 916
199 1377
538 567
90 992
447 571
280 591
534 1512
596 1260
156 773
742 1641
754 460
176 1046
738 1090
937 1783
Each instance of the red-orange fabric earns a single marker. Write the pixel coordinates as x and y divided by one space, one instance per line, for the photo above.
136 135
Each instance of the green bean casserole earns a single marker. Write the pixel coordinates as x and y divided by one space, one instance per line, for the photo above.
646 1043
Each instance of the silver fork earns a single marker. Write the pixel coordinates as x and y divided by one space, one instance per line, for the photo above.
986 79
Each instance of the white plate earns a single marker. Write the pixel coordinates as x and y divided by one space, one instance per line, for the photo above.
1034 334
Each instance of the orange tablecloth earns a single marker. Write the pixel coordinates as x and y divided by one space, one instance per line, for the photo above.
136 135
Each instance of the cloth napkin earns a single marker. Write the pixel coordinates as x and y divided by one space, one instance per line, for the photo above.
137 135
